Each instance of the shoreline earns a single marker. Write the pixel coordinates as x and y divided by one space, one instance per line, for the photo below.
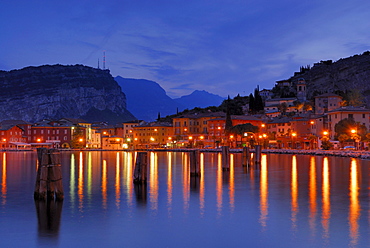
318 152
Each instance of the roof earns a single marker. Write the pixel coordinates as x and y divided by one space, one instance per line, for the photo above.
328 95
349 109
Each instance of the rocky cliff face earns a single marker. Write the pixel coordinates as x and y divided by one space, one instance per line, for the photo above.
57 91
344 74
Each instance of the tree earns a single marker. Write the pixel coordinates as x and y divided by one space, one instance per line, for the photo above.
355 98
312 138
229 122
342 138
325 143
251 103
78 138
346 125
283 107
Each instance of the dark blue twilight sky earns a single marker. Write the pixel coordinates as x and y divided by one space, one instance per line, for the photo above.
224 47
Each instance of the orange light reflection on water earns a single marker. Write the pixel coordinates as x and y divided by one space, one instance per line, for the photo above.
202 186
153 181
169 183
117 184
219 185
104 184
185 180
232 184
312 194
3 181
354 207
326 212
294 192
80 186
264 192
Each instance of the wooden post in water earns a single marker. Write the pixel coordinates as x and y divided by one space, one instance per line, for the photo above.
195 163
225 158
141 167
49 185
258 154
246 156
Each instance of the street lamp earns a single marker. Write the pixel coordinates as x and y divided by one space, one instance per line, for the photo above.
293 136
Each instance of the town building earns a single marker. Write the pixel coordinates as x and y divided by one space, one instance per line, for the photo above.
327 102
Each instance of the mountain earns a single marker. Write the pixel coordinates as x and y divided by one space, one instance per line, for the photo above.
57 91
346 74
145 98
200 99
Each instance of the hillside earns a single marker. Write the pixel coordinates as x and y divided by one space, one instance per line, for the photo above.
57 91
344 75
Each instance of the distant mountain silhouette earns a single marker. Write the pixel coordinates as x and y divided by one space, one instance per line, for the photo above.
200 99
145 99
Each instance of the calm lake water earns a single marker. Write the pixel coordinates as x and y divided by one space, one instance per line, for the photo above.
287 201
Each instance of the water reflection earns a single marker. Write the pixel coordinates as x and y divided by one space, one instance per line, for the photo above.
3 181
325 219
219 185
118 181
104 182
310 198
80 186
153 179
354 207
263 192
312 192
294 193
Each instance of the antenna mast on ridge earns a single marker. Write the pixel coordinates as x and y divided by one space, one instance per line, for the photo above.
103 60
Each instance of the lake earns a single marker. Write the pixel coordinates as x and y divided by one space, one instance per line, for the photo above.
286 201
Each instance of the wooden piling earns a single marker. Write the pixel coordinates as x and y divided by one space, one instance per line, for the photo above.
195 163
246 156
49 184
225 158
141 167
257 158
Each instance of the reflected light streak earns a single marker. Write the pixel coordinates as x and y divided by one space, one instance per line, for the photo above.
89 175
294 192
104 184
219 185
3 181
202 189
312 194
80 186
153 179
118 181
325 220
72 180
232 184
129 161
169 182
186 180
354 207
264 192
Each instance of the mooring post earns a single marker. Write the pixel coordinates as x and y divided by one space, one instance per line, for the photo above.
49 185
225 158
141 167
258 154
195 163
246 156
